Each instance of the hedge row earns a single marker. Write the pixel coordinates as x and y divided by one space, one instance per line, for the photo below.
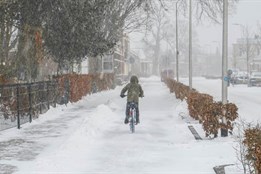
252 140
83 84
202 107
181 91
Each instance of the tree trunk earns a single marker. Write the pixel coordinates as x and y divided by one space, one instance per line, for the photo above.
27 62
155 69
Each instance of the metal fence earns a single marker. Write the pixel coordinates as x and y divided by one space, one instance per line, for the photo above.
21 103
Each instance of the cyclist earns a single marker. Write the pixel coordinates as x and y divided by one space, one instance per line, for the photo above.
134 92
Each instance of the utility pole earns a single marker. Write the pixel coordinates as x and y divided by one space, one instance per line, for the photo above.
177 44
224 132
190 44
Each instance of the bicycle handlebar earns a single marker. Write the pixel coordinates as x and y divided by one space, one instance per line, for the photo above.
123 96
126 95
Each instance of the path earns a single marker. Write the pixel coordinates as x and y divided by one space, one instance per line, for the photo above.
90 137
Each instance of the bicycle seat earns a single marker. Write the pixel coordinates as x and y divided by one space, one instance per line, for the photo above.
133 105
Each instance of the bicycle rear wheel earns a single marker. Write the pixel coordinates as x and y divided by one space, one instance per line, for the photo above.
132 119
132 125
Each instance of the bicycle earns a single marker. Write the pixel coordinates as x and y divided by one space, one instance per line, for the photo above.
132 116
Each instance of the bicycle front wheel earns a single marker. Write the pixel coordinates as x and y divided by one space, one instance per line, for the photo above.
132 125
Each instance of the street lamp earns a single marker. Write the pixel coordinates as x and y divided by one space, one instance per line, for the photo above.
177 44
224 132
190 44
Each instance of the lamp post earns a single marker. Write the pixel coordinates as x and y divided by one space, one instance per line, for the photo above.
190 44
177 43
224 132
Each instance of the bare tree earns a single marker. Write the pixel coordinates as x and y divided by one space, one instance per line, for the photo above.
153 40
248 46
204 9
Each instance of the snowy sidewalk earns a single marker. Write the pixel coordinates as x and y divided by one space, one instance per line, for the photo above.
90 137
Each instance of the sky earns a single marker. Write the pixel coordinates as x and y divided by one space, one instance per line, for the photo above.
89 136
247 13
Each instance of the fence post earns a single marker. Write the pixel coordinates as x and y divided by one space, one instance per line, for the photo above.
40 95
67 90
48 104
55 91
17 106
30 102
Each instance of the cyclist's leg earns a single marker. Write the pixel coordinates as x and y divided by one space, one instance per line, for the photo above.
137 113
126 121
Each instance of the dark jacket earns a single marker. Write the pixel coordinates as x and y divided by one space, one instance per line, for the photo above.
134 90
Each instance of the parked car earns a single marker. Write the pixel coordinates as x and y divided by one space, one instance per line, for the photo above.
241 77
255 79
166 73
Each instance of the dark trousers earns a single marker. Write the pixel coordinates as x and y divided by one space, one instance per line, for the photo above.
136 106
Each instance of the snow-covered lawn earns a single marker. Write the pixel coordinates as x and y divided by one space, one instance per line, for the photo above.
247 99
89 136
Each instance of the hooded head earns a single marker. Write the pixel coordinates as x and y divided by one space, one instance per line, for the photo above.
134 79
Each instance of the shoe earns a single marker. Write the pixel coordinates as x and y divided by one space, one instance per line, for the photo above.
137 122
126 121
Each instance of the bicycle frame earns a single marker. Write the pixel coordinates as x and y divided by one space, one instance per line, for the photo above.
132 117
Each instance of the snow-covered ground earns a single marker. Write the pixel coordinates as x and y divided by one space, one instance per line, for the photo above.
247 99
89 136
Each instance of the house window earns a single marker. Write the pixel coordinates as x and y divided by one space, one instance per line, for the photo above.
107 66
107 63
